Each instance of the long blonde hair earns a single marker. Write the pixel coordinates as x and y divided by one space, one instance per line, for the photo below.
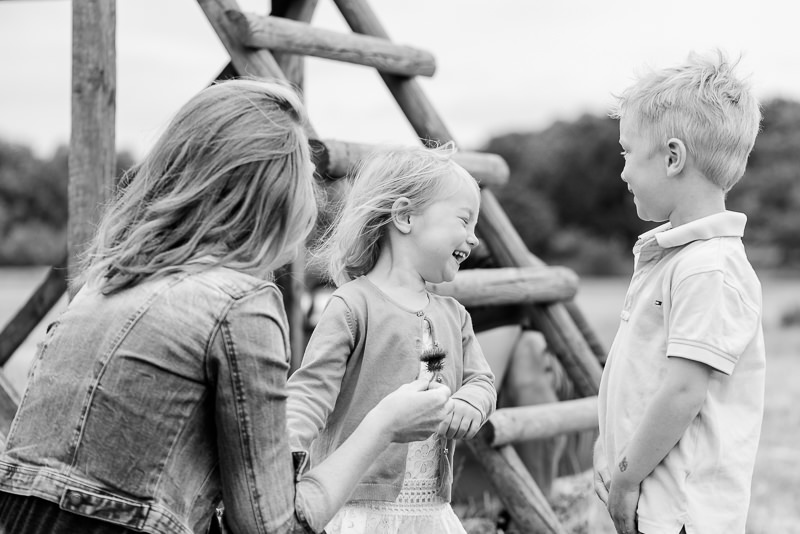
230 181
353 243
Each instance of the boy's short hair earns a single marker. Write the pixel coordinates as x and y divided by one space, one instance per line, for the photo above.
705 105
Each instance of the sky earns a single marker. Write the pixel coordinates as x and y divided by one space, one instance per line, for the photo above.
502 65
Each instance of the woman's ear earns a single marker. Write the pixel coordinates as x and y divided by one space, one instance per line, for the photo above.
401 215
676 156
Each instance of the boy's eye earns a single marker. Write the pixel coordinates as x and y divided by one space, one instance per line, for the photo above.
624 153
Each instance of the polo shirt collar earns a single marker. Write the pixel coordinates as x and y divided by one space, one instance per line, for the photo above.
724 224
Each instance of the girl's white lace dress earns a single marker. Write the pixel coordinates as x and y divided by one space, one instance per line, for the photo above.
418 509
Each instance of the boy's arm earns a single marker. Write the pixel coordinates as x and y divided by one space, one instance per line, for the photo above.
673 407
477 385
314 387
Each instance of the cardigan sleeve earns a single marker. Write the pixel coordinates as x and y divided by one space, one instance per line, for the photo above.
477 385
314 387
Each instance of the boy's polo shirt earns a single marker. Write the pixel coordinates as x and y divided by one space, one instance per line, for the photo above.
693 295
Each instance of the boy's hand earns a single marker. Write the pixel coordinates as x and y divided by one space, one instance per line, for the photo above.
463 423
622 502
602 478
600 487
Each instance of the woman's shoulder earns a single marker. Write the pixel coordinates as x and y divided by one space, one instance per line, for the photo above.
232 283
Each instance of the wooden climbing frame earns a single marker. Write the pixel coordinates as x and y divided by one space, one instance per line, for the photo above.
273 47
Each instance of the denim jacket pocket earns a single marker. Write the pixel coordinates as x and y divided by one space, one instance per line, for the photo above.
109 508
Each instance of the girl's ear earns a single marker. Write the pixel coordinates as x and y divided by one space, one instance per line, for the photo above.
401 215
676 156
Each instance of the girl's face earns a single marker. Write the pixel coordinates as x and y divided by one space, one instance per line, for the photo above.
443 233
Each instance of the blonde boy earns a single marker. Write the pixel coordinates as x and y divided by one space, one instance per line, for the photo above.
681 397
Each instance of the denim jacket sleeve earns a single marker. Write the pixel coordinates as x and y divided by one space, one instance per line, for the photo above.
247 363
477 386
315 386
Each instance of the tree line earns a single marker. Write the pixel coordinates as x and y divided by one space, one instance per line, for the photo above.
564 195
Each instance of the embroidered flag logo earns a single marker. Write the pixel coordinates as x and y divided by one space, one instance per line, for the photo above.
658 303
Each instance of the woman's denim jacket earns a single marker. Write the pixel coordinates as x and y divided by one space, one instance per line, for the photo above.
146 407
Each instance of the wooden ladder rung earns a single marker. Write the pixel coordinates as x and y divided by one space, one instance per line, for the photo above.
337 158
540 421
9 400
510 285
283 35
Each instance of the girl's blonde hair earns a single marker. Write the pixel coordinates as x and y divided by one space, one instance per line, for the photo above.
353 243
230 181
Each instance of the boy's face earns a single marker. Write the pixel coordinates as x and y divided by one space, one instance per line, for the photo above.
645 172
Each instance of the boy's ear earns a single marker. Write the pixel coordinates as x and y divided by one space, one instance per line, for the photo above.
676 156
401 215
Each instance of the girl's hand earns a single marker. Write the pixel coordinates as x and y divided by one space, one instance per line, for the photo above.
463 423
413 411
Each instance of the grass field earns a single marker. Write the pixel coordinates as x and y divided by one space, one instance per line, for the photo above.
775 506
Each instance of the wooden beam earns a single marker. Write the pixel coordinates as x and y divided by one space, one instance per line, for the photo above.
338 158
92 154
510 285
293 65
516 488
248 62
554 321
33 311
261 64
256 62
283 35
539 421
291 278
406 91
497 231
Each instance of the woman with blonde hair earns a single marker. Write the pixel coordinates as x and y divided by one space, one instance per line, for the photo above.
161 389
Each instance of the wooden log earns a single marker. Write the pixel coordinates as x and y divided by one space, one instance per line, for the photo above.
282 35
338 158
292 277
247 62
92 154
33 311
510 285
406 91
563 336
261 63
516 488
293 65
256 62
495 228
540 421
9 400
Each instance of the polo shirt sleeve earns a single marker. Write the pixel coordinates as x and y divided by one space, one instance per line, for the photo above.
710 320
